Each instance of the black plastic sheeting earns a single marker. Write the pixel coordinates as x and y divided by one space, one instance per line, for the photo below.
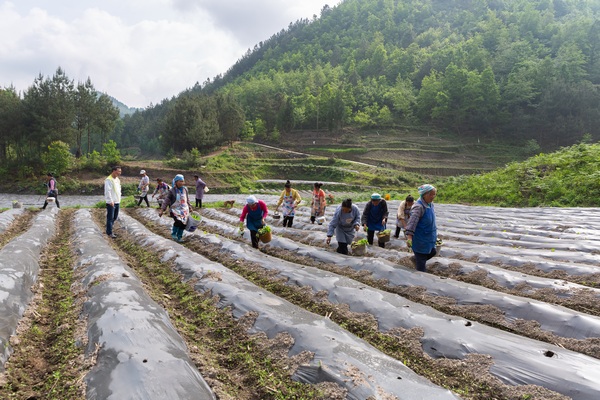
517 360
19 268
396 250
556 319
8 216
336 352
141 355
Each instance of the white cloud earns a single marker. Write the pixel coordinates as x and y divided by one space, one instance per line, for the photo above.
140 52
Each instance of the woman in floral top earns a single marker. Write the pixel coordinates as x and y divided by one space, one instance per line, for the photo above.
290 200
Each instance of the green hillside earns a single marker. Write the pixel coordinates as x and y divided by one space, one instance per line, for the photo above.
569 177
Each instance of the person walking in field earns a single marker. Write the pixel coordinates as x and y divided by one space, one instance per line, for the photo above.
178 200
200 189
318 203
143 187
345 223
290 198
374 217
403 214
162 190
52 190
254 212
421 230
112 196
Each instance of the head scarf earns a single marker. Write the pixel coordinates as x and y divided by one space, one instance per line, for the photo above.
423 189
375 196
251 200
178 177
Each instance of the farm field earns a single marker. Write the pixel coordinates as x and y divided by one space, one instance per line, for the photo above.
508 310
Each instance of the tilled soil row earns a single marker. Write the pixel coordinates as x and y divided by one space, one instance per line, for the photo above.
487 314
338 356
469 377
47 360
235 364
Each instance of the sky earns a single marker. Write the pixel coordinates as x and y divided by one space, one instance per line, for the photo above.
137 51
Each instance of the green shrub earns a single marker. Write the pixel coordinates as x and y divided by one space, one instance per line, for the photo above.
58 159
111 153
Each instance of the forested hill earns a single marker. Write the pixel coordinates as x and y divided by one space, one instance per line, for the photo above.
524 69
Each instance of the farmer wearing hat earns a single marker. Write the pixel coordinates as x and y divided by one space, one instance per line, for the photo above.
374 217
421 230
254 212
179 201
143 187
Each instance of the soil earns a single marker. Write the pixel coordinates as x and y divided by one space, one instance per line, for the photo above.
28 371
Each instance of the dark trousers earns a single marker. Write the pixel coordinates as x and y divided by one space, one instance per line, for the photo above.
254 239
342 248
144 198
421 259
112 213
55 200
177 230
288 221
198 203
398 229
370 236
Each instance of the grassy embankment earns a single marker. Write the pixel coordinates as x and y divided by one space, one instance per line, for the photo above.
569 177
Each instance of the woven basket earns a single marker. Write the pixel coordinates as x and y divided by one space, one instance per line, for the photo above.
383 237
265 237
358 249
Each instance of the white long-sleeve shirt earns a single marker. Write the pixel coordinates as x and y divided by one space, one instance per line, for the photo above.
112 190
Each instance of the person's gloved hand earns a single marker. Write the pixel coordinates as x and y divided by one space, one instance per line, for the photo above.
328 239
409 243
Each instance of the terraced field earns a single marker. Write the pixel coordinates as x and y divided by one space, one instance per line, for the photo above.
508 310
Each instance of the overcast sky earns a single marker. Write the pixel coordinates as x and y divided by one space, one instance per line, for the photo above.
138 51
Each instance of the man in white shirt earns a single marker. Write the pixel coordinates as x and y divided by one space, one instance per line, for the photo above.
112 195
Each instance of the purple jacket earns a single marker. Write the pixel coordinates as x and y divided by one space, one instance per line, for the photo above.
200 185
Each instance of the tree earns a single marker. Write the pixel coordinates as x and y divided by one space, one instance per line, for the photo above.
11 120
111 153
58 158
230 116
85 98
105 118
49 111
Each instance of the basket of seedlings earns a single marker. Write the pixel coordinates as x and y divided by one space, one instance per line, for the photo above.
359 247
264 234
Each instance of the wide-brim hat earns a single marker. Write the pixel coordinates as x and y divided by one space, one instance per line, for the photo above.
142 172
